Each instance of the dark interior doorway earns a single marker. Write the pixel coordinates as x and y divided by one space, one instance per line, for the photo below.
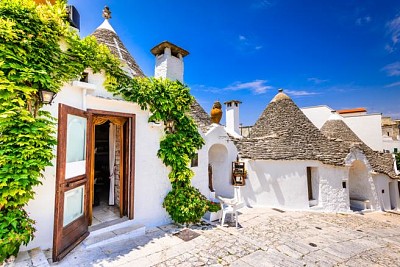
101 165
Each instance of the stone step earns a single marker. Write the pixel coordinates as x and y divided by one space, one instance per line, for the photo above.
113 233
32 258
317 208
109 226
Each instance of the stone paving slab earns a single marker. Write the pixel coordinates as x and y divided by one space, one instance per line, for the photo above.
266 237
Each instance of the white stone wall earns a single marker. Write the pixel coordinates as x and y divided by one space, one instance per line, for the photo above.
169 66
359 187
315 182
232 119
283 184
389 144
361 174
318 115
367 128
333 197
387 195
276 184
221 168
200 178
223 152
160 70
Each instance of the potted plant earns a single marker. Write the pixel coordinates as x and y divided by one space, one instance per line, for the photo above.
213 211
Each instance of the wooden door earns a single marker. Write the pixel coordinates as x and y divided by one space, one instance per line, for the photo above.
72 187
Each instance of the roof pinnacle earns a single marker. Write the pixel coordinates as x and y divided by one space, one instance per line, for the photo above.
106 13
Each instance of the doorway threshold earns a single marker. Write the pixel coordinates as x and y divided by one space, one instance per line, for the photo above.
107 224
113 231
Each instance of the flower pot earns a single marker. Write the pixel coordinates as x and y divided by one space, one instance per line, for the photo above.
212 216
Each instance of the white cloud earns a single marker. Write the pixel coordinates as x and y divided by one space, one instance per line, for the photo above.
247 44
256 86
205 88
363 20
392 69
316 80
299 93
393 29
396 84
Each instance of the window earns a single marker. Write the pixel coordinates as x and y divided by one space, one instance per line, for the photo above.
344 184
229 104
195 161
395 150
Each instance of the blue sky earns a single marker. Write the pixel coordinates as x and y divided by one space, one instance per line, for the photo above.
340 53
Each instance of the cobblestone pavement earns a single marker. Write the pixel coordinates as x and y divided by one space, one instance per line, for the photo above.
267 237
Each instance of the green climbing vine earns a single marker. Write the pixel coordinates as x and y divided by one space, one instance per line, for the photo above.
169 102
38 50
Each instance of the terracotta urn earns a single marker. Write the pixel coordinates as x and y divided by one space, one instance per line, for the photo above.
216 112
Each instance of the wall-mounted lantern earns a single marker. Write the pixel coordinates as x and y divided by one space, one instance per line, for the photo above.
46 97
170 126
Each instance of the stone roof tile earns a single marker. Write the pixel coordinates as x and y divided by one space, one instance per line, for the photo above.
201 117
283 132
109 38
380 162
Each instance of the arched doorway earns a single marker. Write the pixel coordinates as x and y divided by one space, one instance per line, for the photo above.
219 170
359 186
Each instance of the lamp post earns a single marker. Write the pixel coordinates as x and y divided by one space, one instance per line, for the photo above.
46 97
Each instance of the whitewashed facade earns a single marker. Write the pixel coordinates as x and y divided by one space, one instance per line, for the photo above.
290 164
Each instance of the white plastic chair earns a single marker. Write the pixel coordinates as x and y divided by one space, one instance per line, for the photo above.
230 205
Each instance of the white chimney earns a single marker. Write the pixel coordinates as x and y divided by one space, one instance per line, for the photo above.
232 116
169 61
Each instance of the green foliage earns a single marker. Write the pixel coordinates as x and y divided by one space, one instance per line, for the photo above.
398 160
185 204
38 50
213 206
15 229
169 102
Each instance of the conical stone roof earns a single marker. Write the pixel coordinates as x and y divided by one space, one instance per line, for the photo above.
201 117
337 129
283 132
105 34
